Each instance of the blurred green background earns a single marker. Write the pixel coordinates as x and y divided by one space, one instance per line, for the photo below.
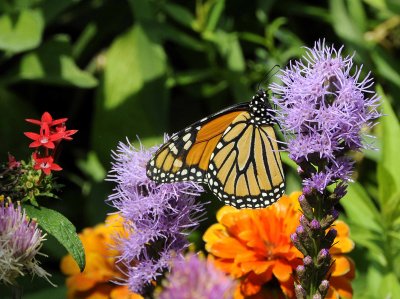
128 68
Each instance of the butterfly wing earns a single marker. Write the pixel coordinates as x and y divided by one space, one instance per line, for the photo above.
186 155
245 169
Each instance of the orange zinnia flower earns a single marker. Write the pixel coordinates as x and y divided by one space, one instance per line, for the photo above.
101 268
254 246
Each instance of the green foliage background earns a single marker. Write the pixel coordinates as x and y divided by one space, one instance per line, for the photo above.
127 68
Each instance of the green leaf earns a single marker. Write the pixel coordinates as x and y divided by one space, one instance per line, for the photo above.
390 286
214 15
133 95
386 65
22 31
143 60
179 37
388 177
52 64
61 228
359 206
180 14
92 167
343 23
190 77
393 6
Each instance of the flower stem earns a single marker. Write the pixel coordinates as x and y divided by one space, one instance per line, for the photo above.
16 292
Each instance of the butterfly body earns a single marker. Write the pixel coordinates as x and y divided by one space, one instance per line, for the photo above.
233 151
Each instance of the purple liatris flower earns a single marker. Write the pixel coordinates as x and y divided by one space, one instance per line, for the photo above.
158 216
194 277
20 242
324 111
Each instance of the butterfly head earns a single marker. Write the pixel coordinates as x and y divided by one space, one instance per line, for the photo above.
261 110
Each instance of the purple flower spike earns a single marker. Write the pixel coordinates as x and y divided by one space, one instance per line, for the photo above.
158 216
323 109
20 242
193 277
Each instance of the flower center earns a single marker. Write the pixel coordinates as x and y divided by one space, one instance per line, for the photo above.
44 165
44 140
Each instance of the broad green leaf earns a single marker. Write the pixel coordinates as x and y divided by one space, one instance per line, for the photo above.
190 77
288 161
386 65
359 207
133 94
358 14
378 4
52 64
142 10
374 280
393 6
21 32
147 142
143 61
180 14
388 169
390 286
179 37
231 51
61 228
343 23
369 239
92 167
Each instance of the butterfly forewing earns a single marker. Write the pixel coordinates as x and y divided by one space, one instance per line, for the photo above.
245 169
186 155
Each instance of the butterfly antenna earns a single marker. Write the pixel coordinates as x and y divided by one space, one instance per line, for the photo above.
267 76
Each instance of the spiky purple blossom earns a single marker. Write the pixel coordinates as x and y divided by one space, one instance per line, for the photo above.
20 242
324 111
194 277
158 217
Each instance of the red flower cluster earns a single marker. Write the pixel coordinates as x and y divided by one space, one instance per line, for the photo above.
46 142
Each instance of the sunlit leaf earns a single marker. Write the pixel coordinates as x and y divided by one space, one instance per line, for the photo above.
359 207
52 64
21 32
388 169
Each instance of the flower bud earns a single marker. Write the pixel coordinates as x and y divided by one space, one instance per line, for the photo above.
329 219
296 242
323 288
308 261
300 292
304 222
315 225
317 296
324 257
300 271
306 207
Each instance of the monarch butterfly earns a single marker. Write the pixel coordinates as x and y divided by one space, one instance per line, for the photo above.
234 151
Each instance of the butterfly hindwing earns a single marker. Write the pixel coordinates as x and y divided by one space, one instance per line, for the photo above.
186 155
245 169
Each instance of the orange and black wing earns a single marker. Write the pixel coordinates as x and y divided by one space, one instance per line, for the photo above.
186 155
245 169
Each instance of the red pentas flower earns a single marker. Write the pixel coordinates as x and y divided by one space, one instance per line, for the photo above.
46 164
46 120
50 135
45 138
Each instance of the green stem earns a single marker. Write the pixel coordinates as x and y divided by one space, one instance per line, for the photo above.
16 292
